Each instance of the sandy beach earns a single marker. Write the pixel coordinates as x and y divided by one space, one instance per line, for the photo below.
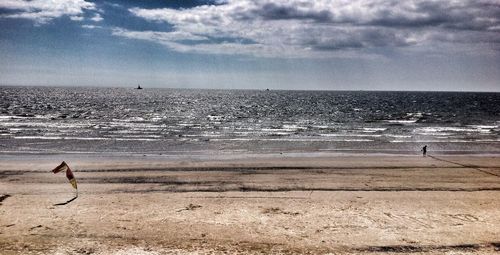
315 204
246 127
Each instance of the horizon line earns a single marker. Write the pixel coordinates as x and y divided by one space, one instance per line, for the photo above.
249 89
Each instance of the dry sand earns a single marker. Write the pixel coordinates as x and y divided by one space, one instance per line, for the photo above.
276 205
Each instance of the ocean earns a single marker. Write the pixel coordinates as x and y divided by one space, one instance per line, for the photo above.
183 121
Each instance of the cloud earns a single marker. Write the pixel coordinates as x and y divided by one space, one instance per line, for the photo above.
76 18
91 26
97 17
161 37
303 28
41 11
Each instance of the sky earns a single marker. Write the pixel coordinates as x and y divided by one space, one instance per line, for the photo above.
446 45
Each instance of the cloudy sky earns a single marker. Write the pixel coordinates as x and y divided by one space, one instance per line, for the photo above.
278 44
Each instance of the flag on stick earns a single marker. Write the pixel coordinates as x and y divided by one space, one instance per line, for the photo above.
64 167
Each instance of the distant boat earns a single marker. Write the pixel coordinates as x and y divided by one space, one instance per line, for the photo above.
139 86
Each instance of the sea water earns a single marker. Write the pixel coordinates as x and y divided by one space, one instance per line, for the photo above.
180 121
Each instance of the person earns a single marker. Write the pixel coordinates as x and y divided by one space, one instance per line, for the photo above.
424 150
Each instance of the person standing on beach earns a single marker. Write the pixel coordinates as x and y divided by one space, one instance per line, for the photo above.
424 150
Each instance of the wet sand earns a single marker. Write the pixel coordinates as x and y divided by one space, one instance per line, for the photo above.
265 205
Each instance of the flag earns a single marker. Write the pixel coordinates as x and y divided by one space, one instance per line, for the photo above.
64 167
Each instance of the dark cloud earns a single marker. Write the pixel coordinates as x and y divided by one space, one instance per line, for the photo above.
388 18
274 11
467 15
360 38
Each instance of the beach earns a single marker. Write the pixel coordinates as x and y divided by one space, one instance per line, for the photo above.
251 204
249 127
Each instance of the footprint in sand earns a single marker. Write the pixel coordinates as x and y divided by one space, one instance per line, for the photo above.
463 217
405 220
35 227
276 210
190 207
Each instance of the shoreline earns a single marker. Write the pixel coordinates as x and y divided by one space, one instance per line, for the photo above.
245 153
